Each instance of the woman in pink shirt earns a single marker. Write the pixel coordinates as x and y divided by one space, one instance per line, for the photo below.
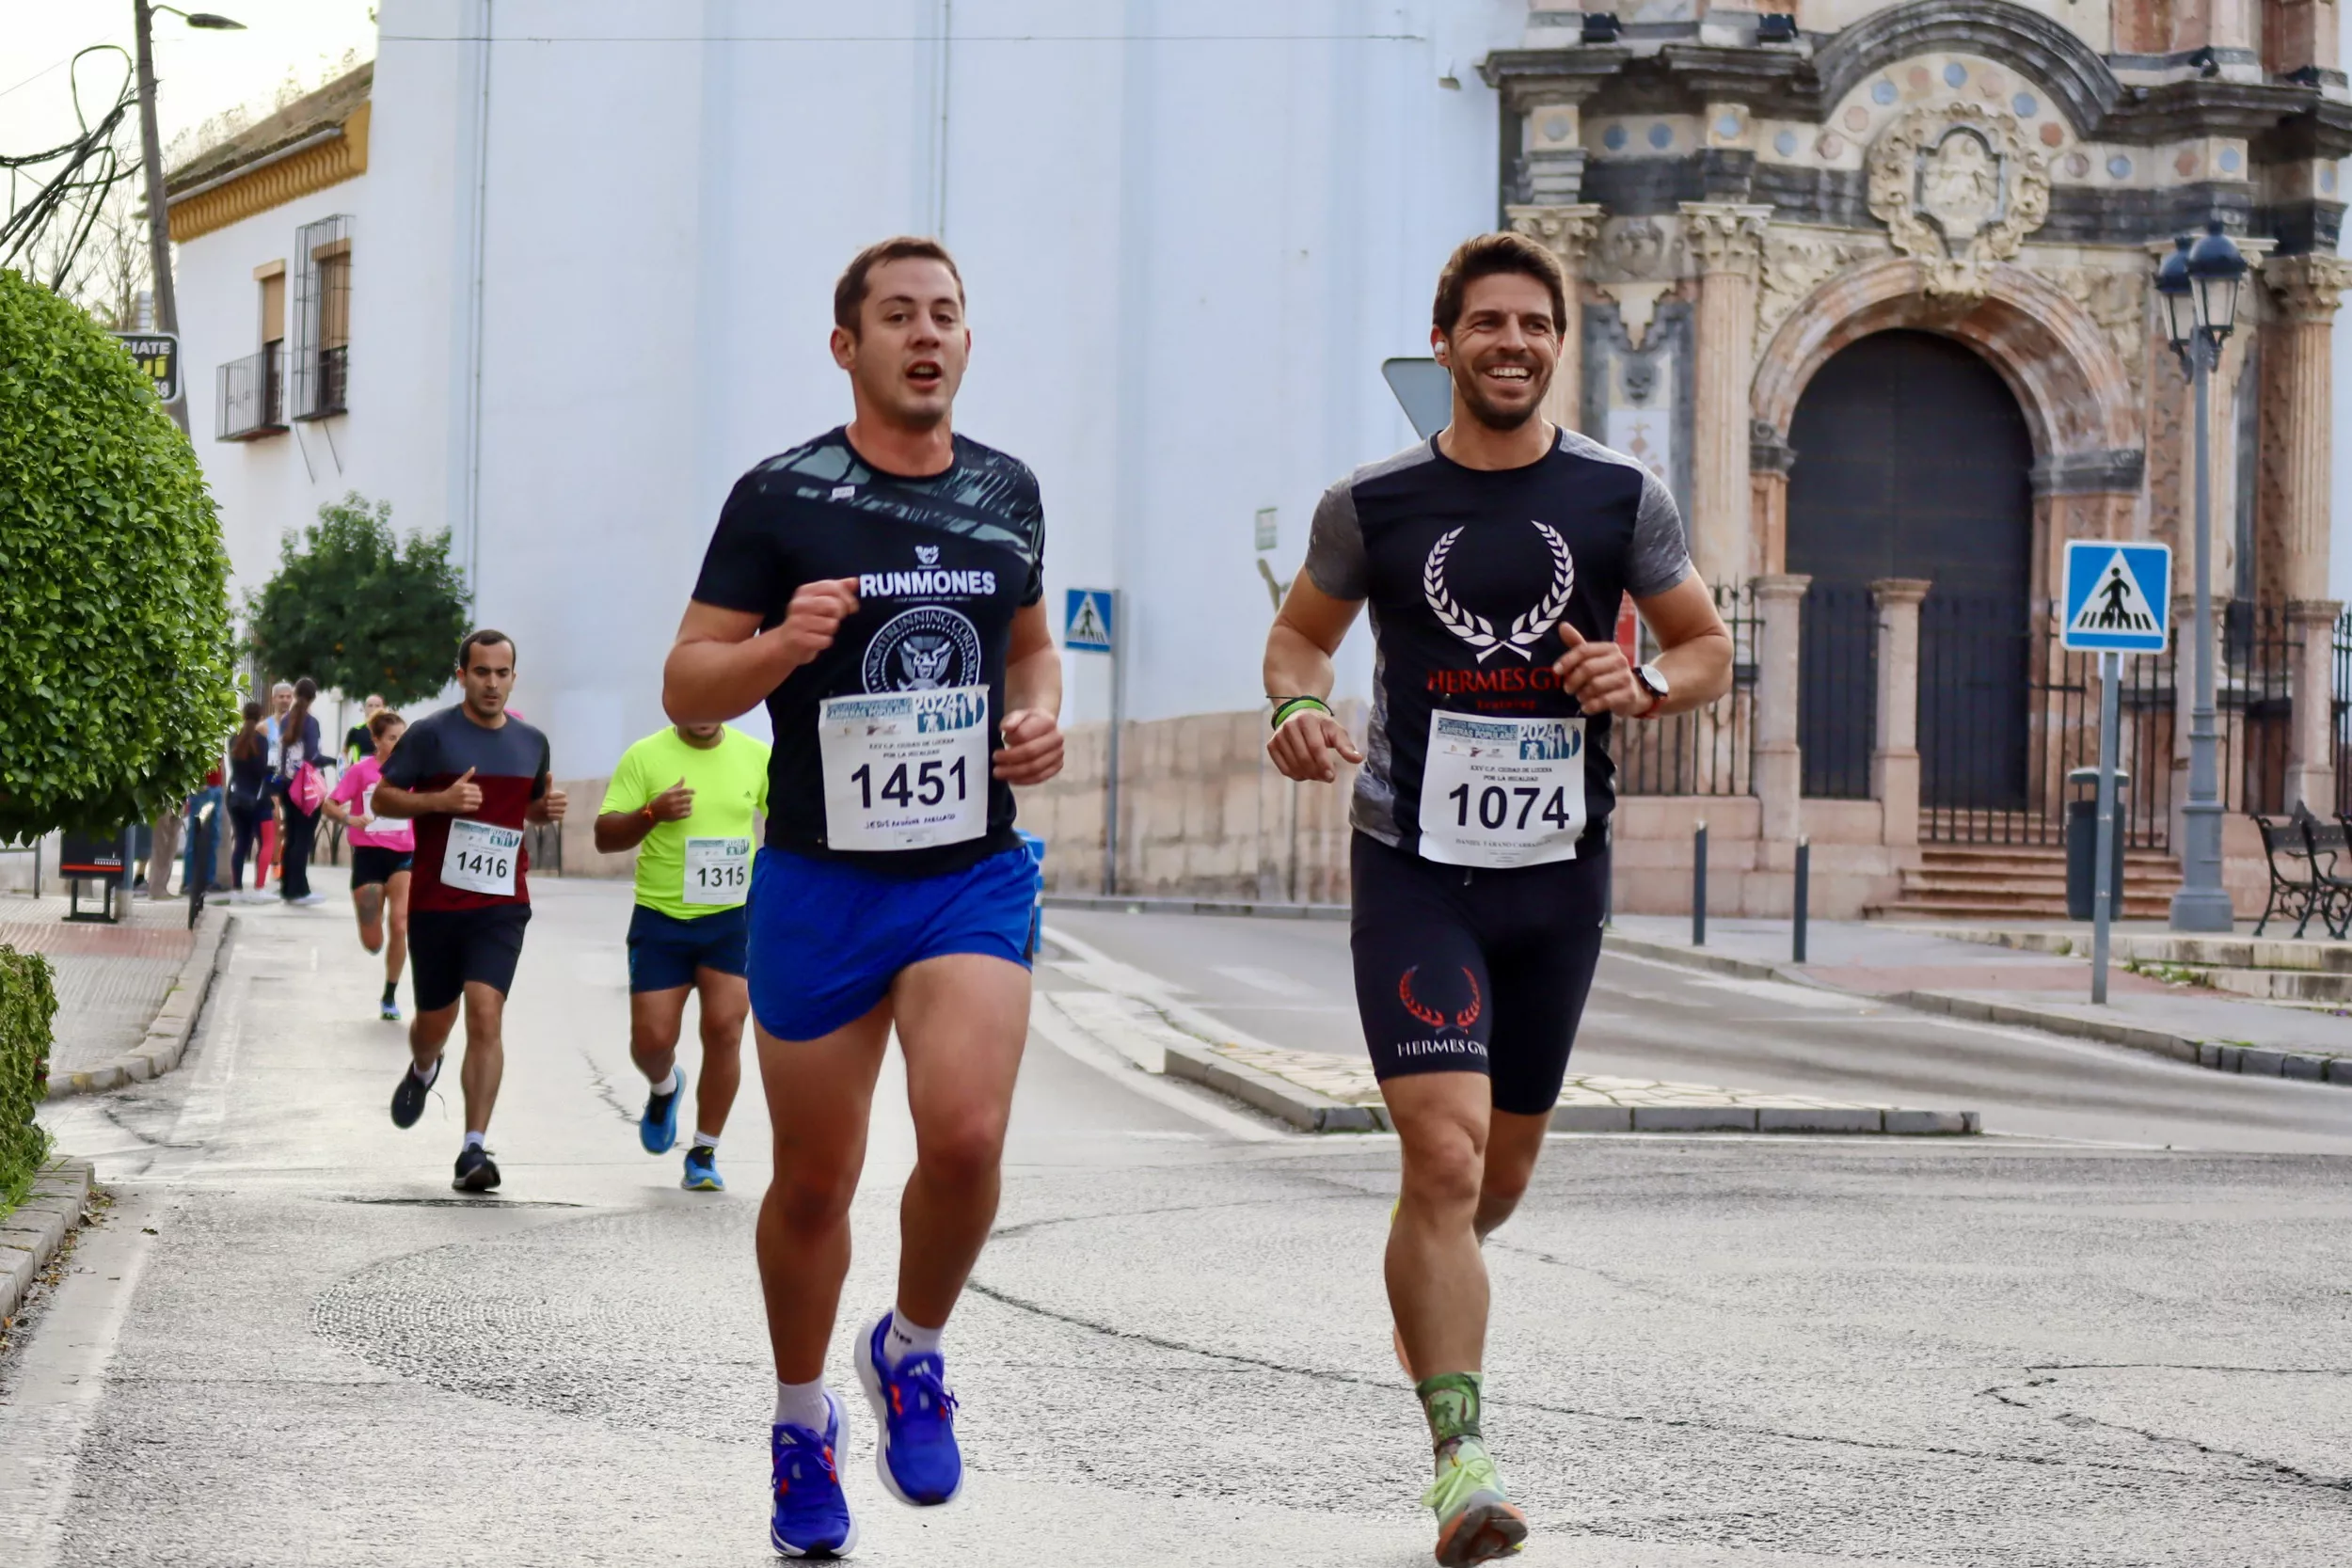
380 855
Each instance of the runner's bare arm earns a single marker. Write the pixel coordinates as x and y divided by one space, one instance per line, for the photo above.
459 798
1307 631
722 665
1694 657
618 831
1032 752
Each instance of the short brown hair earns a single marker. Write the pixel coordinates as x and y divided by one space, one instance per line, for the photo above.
849 295
1487 256
487 634
383 719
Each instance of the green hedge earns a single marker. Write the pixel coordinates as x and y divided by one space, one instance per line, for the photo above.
28 1001
115 648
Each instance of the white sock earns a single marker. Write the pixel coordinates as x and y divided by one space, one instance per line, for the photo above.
670 1085
707 1140
803 1404
473 1140
426 1074
906 1338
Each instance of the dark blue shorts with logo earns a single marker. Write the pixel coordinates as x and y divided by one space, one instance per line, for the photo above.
1461 970
664 951
828 937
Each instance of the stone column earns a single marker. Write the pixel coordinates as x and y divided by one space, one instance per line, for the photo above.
1725 241
1779 762
2299 427
1895 760
2311 738
1770 458
1567 232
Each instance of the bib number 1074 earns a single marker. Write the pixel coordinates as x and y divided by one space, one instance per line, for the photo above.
1514 807
922 784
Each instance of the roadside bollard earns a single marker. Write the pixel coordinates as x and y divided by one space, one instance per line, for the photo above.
1805 881
1698 887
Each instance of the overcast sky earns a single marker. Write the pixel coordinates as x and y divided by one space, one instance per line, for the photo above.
198 74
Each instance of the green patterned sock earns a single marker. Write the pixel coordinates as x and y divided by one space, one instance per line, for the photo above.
1451 1402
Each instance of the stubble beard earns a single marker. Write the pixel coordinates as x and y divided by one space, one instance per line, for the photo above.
1501 420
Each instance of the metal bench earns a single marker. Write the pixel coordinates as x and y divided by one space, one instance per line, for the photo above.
2294 890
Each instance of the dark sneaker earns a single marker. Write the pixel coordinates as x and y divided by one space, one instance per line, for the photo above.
476 1171
409 1099
657 1128
811 1515
916 1454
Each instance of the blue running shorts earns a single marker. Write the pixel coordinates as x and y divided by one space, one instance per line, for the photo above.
828 937
664 951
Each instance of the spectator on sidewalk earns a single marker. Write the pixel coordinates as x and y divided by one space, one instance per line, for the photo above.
359 740
295 771
248 801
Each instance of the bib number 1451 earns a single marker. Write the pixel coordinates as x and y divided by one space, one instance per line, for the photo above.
1501 792
905 769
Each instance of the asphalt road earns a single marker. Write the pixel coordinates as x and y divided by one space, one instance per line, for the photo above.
1288 981
290 1343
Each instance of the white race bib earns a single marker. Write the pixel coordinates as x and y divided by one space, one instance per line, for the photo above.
1501 792
905 769
717 871
481 858
367 803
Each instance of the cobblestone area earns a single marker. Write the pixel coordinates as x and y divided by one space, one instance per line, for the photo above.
111 980
1352 1082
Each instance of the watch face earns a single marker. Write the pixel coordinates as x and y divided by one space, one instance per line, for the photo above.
1651 678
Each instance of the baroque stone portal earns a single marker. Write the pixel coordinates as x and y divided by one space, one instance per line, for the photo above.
1958 188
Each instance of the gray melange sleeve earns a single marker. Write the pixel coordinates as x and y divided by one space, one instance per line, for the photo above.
1335 545
1658 557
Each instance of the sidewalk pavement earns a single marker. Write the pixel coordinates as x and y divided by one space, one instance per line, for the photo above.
117 986
2001 985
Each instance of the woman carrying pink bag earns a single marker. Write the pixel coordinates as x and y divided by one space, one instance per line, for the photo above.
293 766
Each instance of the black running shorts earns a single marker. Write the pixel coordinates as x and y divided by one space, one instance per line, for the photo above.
1461 970
447 949
373 865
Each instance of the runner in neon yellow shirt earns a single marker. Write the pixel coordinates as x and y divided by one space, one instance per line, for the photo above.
683 797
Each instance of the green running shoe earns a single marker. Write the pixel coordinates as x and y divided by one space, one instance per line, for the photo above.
1476 1523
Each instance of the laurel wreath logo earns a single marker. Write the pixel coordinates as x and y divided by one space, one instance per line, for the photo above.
1474 628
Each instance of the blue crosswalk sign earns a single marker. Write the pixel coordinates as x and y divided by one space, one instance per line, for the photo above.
2118 599
1086 622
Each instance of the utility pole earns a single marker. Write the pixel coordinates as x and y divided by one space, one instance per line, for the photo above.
158 219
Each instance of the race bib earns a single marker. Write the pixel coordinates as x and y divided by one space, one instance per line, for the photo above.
1501 792
905 769
481 858
367 803
717 871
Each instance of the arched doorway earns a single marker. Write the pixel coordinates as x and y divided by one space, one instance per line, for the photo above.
1914 460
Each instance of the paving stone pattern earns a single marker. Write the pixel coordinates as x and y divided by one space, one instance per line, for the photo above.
110 980
1352 1082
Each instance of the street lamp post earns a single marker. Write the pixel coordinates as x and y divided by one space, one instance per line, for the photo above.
151 159
2199 285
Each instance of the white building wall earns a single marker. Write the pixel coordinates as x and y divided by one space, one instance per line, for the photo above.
1191 231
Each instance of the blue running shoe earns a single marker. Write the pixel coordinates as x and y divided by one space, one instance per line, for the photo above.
657 1128
812 1513
702 1171
915 1453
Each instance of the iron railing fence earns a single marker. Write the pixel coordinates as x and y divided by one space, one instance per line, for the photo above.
1703 751
2007 714
1838 691
2340 713
251 396
2253 701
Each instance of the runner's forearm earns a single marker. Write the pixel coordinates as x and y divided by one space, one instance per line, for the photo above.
619 831
1294 665
392 800
1696 672
711 682
1033 684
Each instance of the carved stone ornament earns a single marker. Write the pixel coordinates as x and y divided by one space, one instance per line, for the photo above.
1958 188
1725 237
1798 261
1565 232
2308 288
1633 250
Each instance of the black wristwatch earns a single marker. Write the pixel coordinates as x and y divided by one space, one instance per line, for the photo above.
1653 681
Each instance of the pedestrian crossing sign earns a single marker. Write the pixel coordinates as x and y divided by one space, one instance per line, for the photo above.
2119 597
1086 622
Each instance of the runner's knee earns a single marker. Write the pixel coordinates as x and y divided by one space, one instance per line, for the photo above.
1444 1169
961 1148
811 1196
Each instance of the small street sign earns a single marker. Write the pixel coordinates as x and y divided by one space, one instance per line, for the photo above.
1086 623
157 354
1269 528
2118 597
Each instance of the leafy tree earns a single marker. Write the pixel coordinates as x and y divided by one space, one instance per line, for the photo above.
357 609
114 659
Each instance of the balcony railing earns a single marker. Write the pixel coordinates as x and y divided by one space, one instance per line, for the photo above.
252 397
321 383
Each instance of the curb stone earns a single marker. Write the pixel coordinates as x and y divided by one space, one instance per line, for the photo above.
1273 909
1303 1108
2220 1055
31 1235
173 1025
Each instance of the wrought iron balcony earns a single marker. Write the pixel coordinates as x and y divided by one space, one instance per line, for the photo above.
321 380
252 397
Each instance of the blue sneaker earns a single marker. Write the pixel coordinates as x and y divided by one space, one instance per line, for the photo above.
915 1453
812 1513
702 1171
657 1128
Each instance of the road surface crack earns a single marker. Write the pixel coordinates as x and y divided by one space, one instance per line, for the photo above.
2076 1421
